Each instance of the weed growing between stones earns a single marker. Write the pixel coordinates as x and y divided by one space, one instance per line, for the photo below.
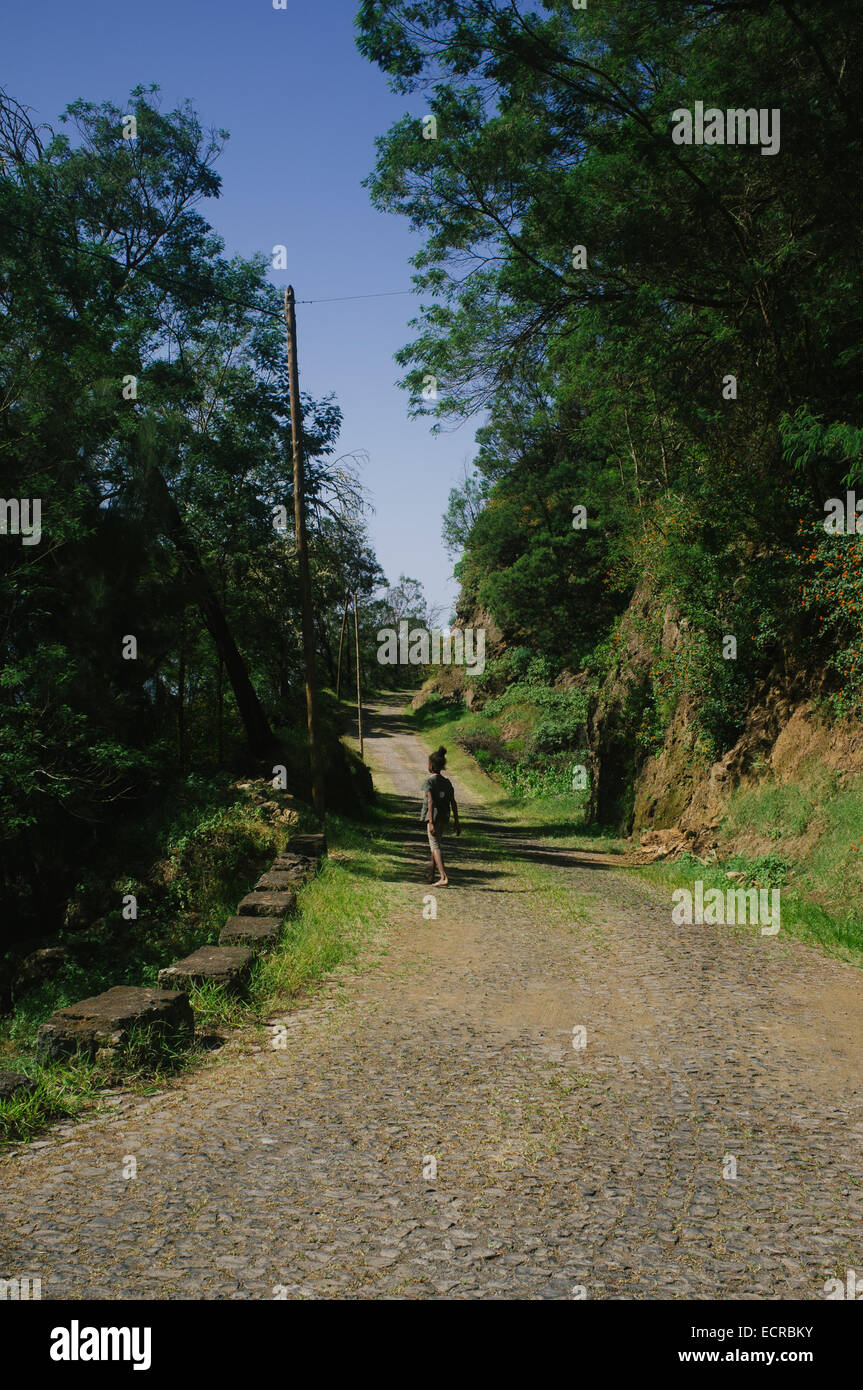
75 1085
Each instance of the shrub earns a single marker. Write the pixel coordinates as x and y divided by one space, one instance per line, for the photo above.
572 703
527 780
481 742
557 732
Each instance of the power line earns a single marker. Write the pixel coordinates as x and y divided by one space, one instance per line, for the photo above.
341 298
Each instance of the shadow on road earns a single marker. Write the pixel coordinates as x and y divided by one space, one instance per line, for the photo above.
385 718
468 861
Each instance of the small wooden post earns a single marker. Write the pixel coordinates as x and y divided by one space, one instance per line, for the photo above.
359 685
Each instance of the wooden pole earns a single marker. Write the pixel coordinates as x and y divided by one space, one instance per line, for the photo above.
341 644
303 560
359 686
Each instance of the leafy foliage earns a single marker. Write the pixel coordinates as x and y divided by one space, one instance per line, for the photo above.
605 379
143 404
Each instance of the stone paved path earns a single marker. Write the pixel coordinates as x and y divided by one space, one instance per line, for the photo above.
305 1172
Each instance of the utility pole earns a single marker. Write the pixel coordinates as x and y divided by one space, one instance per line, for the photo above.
341 644
359 687
303 561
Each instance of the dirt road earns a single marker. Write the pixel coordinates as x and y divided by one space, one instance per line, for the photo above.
440 1125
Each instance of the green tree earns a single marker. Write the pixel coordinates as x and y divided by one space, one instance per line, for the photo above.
593 286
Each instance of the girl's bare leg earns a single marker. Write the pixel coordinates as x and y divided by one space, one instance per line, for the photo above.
434 846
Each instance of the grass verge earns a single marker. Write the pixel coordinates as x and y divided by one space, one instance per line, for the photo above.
804 837
811 829
554 815
838 934
338 921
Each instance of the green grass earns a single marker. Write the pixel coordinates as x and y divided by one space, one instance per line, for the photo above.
839 933
540 808
779 810
822 899
339 915
338 920
62 1092
76 1085
822 892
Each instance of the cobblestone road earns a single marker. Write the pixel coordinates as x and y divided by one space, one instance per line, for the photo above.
305 1172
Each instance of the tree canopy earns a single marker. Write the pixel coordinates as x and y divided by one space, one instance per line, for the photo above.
666 335
144 409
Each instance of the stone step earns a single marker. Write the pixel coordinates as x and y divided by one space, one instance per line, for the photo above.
271 904
106 1020
297 864
226 966
296 861
312 846
282 880
13 1083
258 933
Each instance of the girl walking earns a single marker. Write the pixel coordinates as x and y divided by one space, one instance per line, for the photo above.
438 801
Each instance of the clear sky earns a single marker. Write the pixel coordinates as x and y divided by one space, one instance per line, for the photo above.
303 109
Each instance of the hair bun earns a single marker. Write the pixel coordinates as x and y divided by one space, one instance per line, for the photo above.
441 749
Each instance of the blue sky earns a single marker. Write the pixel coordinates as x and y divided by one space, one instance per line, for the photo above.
303 109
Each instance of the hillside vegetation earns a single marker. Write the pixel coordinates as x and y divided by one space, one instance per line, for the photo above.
663 342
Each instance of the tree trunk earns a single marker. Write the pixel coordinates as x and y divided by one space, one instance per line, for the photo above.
220 686
324 644
181 707
260 736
